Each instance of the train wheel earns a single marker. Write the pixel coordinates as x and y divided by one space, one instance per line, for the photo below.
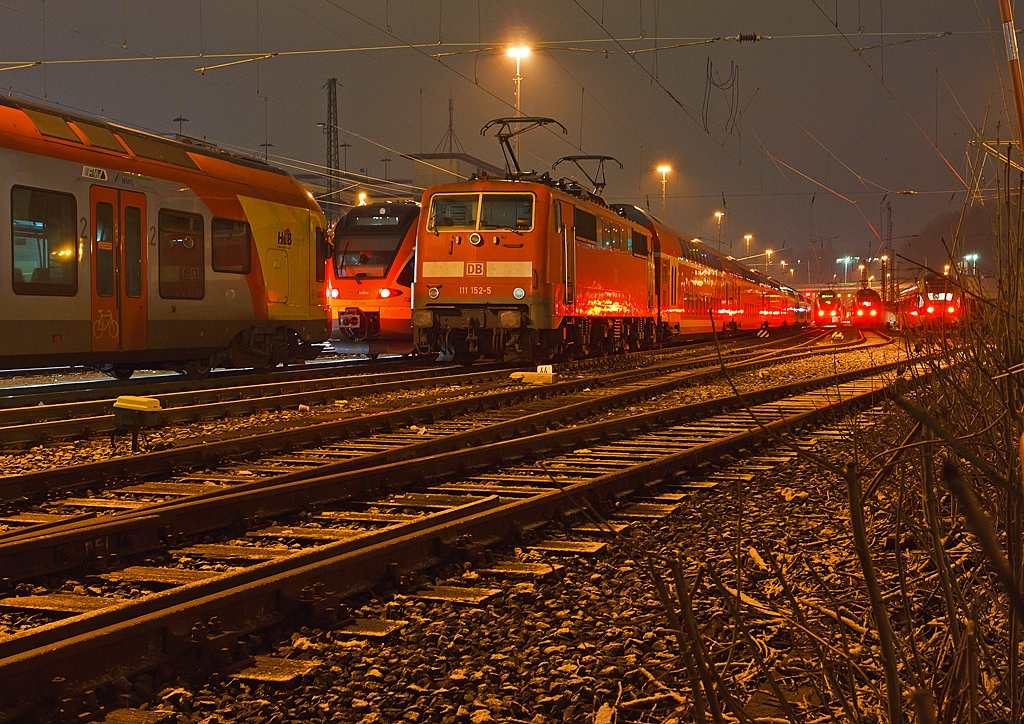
118 372
198 369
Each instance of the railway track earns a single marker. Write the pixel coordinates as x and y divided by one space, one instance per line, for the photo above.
424 428
348 531
52 416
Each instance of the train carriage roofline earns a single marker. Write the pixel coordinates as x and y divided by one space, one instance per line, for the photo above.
55 132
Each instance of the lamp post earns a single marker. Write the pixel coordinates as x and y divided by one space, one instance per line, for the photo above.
861 267
845 261
972 259
663 170
719 215
747 238
767 259
518 52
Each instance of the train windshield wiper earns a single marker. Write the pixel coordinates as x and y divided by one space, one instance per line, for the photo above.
500 227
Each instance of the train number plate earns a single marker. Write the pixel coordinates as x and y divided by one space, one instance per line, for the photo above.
479 291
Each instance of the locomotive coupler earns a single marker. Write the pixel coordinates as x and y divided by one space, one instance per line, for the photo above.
132 414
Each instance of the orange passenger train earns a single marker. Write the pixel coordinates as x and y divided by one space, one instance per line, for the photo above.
131 250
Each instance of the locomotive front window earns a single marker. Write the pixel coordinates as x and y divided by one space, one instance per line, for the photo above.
455 212
507 211
44 236
369 257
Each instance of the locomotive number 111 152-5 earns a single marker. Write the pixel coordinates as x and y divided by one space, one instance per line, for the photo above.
479 291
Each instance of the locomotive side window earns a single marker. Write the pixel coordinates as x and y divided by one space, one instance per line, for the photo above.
640 243
181 255
133 251
104 250
507 211
453 211
586 226
231 246
405 277
44 236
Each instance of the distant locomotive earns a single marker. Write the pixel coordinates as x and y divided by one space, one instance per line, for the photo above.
868 309
936 302
129 250
526 267
828 309
369 283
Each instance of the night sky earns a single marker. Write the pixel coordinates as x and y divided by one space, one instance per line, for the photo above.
805 121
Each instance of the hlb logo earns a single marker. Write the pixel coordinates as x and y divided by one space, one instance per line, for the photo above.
474 269
284 238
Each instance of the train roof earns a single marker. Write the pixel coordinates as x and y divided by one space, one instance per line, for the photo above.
55 132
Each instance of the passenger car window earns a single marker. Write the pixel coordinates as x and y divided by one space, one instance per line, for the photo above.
182 260
231 246
44 237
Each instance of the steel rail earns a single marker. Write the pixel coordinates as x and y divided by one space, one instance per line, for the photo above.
98 541
88 650
37 484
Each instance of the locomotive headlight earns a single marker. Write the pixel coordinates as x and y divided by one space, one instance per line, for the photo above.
475 239
433 292
510 319
951 309
518 293
334 293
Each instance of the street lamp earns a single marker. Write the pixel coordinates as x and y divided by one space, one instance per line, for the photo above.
747 238
719 215
767 259
845 261
663 170
518 52
972 259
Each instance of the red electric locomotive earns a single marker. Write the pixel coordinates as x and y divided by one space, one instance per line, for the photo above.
868 310
369 283
526 267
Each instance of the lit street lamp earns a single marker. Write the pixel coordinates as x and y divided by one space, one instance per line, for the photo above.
972 259
747 238
719 215
767 259
663 170
845 261
518 52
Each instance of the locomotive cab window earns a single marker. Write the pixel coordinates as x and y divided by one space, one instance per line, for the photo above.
453 211
44 235
231 246
473 212
639 243
182 256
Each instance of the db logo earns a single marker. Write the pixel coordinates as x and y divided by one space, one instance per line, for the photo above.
284 238
474 269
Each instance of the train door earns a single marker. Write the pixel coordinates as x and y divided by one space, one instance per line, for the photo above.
567 228
118 270
277 276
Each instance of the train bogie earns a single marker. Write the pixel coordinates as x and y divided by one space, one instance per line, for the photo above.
129 250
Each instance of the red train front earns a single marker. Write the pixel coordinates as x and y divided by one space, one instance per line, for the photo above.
868 310
828 309
369 282
937 302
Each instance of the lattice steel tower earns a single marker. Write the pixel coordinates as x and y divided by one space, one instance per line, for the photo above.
333 168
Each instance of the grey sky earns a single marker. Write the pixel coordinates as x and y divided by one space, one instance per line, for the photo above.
807 99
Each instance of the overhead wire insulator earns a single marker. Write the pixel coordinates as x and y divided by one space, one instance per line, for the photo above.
748 37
